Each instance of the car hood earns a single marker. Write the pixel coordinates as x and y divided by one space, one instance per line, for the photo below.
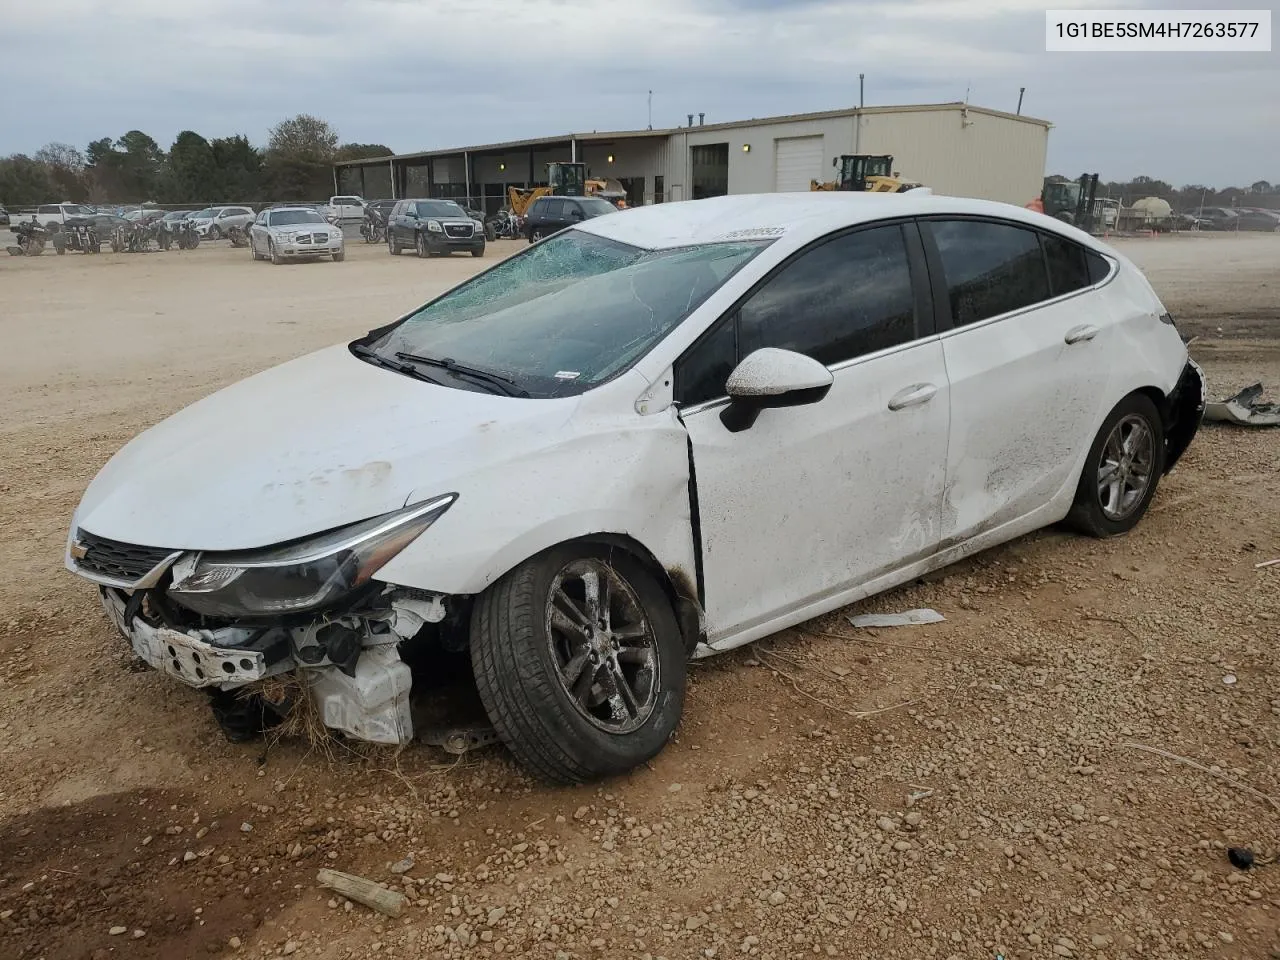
313 444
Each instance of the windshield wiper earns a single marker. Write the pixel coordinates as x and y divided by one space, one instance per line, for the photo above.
408 369
503 384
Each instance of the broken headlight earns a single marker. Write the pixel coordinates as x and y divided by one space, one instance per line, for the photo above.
303 575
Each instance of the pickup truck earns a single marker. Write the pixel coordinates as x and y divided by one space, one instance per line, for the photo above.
346 209
52 215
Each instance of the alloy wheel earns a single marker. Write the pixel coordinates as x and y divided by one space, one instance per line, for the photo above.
603 646
1125 467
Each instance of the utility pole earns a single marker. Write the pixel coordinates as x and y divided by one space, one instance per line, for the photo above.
650 109
862 102
1021 91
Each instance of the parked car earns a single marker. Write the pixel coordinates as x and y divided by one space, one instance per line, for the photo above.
289 233
1254 218
646 438
343 209
549 214
1216 218
4 217
52 215
213 223
433 227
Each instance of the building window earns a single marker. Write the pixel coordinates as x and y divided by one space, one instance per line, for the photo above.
659 189
710 169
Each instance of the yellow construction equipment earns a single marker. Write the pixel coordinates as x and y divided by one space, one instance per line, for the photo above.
865 173
521 198
565 180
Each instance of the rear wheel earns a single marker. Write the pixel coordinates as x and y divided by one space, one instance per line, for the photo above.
1122 471
579 662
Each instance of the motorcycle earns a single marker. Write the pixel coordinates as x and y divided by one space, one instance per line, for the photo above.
372 228
181 232
31 240
134 238
82 237
239 236
506 225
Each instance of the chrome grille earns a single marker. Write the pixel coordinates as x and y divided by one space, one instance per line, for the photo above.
320 237
120 561
459 230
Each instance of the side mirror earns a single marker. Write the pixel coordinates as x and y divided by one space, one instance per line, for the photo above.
770 377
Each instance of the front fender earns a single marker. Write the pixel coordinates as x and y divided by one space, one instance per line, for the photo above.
631 482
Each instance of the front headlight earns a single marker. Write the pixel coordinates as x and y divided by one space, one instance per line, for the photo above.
335 234
301 576
434 226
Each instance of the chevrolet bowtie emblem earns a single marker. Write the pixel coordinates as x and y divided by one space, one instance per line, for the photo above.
78 550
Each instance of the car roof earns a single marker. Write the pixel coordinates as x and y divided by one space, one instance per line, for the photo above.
799 217
283 209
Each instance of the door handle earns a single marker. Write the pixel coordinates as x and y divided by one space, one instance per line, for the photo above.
915 394
1086 331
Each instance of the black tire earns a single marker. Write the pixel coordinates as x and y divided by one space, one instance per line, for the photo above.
215 232
340 256
392 247
271 253
420 242
518 675
1089 514
61 250
477 252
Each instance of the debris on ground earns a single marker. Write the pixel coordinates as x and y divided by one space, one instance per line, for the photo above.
907 618
372 895
1245 409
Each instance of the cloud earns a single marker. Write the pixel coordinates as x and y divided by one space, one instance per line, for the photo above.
417 75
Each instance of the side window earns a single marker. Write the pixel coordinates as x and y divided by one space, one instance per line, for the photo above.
845 298
848 297
551 209
48 209
1099 266
990 268
703 371
1068 270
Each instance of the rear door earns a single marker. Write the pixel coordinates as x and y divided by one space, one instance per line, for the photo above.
1028 353
814 499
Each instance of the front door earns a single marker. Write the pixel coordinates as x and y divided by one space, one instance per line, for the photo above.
812 500
1029 358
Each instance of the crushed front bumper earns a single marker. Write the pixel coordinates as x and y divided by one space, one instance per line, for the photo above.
364 692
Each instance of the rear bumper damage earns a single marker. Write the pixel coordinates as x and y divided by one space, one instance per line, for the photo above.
1184 413
348 664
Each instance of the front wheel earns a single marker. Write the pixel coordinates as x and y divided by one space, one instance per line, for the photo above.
1122 471
477 251
340 256
393 248
579 662
215 233
273 254
423 250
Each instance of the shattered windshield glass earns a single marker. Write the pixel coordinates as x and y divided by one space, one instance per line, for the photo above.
568 313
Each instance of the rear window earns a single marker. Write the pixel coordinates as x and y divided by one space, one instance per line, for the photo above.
1068 270
1099 267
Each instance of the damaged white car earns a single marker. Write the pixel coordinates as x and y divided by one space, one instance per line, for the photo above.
643 439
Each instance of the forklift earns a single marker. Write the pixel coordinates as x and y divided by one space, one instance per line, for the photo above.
1069 201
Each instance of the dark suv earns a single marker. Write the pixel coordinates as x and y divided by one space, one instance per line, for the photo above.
549 214
433 227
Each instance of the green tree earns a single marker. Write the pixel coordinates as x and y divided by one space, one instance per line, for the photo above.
24 181
66 168
299 157
239 175
362 151
140 162
191 174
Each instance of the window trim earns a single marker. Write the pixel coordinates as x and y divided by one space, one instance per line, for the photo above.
923 294
946 325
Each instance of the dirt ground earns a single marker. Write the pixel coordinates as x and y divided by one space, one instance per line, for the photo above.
974 788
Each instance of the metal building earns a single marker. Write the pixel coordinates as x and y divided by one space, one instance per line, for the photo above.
955 148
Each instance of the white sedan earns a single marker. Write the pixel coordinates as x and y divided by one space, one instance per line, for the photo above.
643 439
294 233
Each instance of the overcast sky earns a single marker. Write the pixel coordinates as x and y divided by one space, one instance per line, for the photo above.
420 74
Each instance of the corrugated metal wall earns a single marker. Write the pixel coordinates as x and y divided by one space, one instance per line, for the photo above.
961 153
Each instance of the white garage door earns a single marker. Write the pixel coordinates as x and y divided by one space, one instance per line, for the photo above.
797 160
